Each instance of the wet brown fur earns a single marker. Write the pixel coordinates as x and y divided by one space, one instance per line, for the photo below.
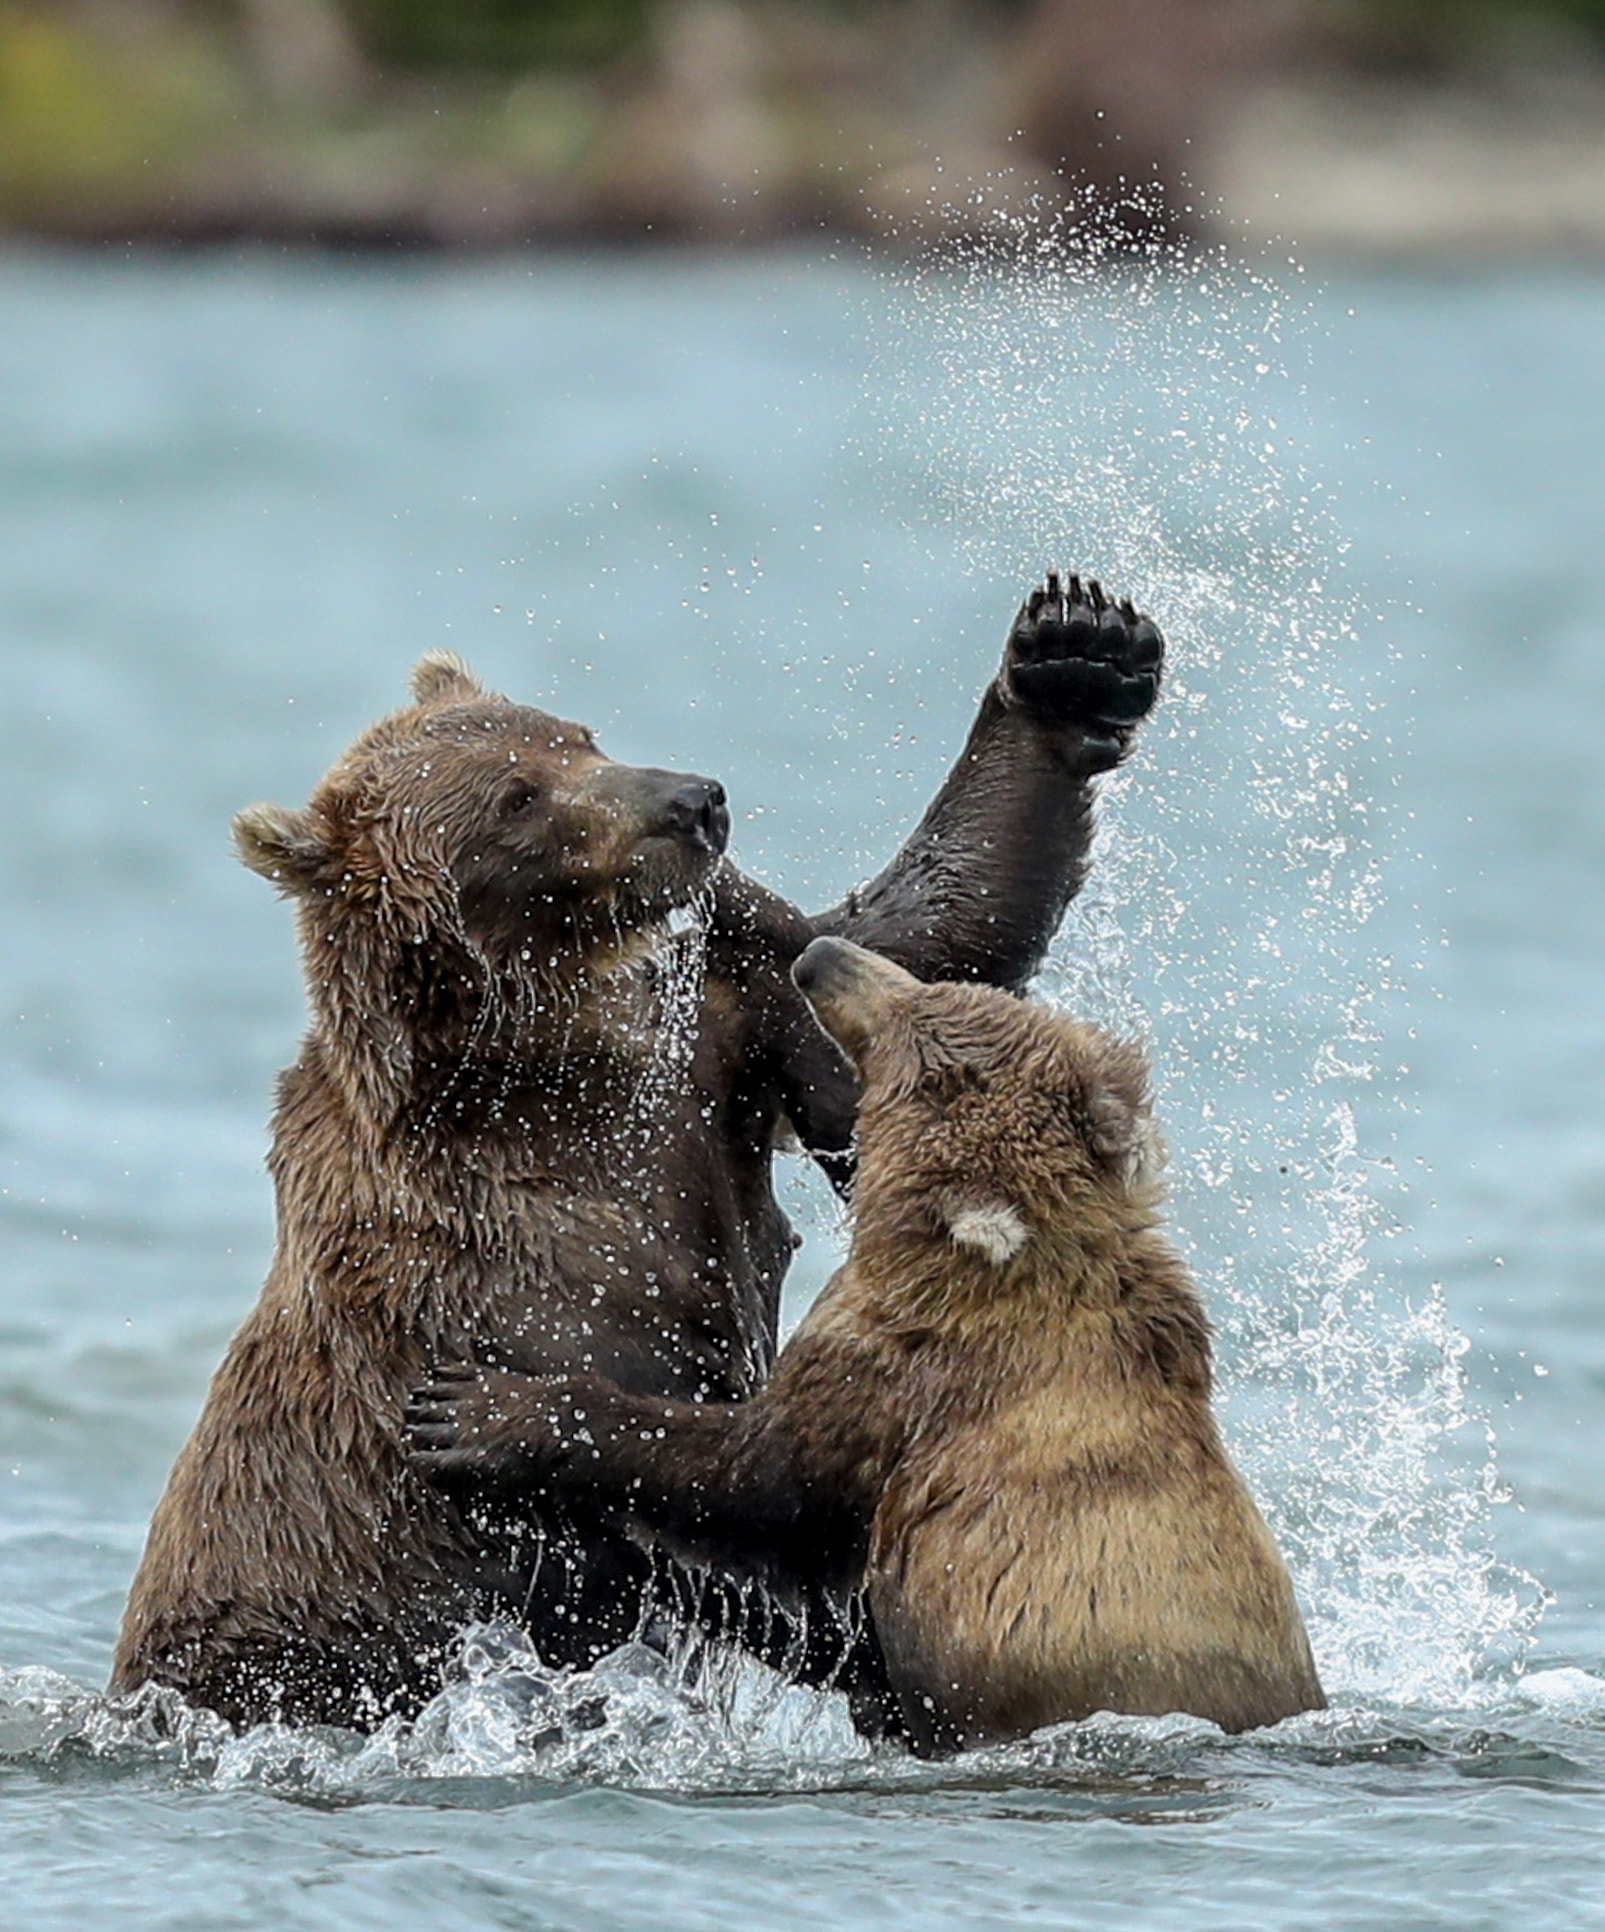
1060 1530
465 1167
1014 1456
442 1159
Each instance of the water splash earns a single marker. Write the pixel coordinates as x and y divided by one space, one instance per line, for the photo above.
692 1717
1144 416
707 1722
677 973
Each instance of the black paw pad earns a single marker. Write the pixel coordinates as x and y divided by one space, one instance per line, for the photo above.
1078 657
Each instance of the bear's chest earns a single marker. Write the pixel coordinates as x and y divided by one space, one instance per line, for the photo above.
644 1239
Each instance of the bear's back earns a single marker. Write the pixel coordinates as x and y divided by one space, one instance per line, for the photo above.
1082 1549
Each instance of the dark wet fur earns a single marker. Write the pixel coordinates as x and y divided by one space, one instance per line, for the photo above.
463 1168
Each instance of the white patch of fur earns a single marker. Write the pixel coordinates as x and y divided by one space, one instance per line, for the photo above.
994 1230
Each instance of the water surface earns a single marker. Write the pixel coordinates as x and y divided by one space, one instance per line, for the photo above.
769 519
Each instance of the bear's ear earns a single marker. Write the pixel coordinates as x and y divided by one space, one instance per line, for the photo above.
286 847
441 677
991 1228
1122 1136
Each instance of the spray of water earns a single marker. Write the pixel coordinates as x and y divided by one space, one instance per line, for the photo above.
678 970
1059 400
1148 417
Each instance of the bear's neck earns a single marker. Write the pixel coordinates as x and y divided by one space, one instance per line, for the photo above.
1126 1298
432 1040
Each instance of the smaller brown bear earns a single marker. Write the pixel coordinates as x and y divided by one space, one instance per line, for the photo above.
995 1421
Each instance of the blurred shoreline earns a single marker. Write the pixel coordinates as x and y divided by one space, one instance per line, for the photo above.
165 122
1398 172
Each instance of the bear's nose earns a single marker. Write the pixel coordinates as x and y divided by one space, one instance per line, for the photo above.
697 810
813 963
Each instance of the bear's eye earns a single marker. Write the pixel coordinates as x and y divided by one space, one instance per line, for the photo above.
519 798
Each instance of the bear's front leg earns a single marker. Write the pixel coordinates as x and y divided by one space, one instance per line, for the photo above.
980 886
729 1484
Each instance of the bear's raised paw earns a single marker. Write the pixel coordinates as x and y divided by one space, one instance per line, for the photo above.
1078 657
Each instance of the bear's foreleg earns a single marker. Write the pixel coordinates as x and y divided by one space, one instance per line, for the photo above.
729 1486
979 889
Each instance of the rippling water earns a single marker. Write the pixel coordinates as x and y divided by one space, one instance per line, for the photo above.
768 519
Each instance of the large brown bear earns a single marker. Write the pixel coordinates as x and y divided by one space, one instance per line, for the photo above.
528 1127
995 1421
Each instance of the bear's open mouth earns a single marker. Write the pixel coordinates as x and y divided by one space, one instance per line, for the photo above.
666 878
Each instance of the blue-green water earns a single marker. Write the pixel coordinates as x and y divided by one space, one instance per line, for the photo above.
768 519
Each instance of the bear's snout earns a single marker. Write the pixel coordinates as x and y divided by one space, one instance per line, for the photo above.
831 968
849 989
697 811
651 804
819 964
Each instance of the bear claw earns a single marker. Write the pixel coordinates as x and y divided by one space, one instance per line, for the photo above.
1076 656
470 1420
438 1427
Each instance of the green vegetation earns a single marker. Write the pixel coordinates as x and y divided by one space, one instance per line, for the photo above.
1433 34
506 35
497 35
490 121
79 113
